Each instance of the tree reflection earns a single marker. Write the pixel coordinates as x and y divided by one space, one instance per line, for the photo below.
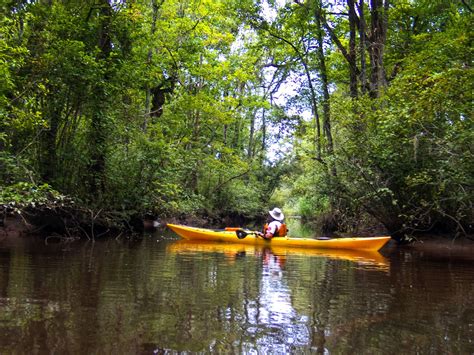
112 297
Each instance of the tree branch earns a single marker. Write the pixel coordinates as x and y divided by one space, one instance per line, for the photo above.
218 187
466 5
338 43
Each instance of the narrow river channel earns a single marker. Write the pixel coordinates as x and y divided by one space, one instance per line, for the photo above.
161 295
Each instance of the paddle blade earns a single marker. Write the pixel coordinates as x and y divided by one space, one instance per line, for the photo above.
241 234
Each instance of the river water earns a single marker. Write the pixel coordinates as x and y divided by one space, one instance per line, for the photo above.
160 295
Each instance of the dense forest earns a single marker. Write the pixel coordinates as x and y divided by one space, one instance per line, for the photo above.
348 113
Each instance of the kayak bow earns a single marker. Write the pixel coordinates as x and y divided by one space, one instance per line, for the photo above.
355 243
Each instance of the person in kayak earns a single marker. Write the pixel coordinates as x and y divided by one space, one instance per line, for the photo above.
275 226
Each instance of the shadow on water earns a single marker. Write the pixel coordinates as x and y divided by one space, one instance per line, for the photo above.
158 294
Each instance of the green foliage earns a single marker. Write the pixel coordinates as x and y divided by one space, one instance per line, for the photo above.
14 198
176 109
79 82
405 157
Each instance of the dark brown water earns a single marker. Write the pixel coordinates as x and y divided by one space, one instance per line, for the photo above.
159 296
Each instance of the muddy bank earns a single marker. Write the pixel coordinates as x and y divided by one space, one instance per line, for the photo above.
77 222
15 227
19 226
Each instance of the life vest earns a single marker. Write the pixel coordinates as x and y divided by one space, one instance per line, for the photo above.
282 231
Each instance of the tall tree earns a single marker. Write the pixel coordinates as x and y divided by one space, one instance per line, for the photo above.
377 37
99 131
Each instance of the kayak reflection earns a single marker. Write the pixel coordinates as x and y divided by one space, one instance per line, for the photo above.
275 254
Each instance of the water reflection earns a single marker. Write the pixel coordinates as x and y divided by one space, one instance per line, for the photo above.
231 250
272 323
276 313
156 295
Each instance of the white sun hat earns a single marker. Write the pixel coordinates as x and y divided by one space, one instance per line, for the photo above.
277 214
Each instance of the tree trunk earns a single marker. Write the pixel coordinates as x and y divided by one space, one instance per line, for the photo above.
378 34
350 56
362 47
325 88
352 49
250 149
98 131
324 83
49 154
155 7
264 135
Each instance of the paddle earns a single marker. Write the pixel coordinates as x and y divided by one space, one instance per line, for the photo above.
241 234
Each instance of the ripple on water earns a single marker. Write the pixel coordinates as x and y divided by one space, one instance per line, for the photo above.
120 295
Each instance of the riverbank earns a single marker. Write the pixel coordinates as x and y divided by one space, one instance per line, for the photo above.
430 246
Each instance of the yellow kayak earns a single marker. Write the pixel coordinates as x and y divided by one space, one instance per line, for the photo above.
230 236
